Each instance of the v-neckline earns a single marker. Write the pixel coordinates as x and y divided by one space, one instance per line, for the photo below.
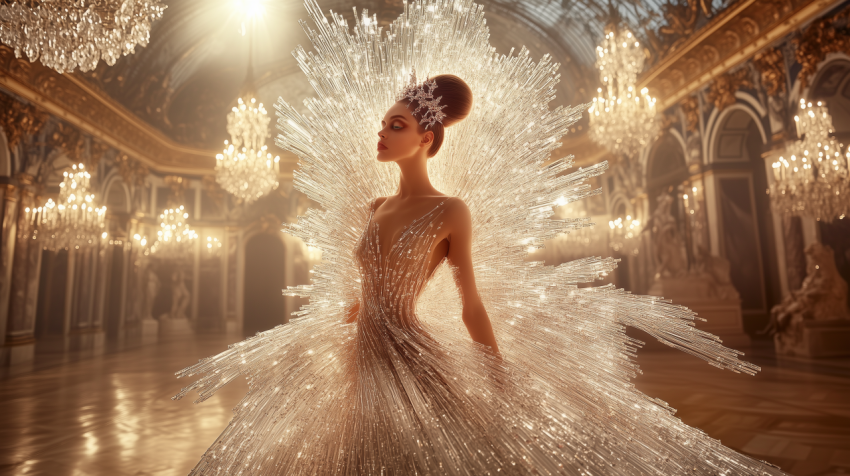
403 229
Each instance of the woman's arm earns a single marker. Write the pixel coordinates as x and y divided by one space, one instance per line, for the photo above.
460 256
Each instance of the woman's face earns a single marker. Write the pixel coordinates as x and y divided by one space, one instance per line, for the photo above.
399 137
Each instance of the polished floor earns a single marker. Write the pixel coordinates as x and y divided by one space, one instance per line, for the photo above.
112 414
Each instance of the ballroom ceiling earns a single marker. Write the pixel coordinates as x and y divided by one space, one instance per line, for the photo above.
184 82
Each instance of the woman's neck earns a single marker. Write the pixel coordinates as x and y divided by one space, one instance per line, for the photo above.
414 181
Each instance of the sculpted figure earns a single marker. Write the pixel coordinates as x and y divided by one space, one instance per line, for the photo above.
180 297
667 241
822 297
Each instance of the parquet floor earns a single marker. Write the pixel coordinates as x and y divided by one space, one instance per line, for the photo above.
112 414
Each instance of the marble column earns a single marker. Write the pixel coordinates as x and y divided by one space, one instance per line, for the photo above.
100 284
69 292
8 229
232 326
20 324
795 257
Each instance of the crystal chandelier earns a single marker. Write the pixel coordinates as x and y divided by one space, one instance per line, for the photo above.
621 119
73 220
174 239
624 234
65 34
814 180
246 168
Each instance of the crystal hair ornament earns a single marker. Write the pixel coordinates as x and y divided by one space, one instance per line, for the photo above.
404 390
429 109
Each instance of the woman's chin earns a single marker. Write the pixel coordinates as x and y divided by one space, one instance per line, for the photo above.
383 156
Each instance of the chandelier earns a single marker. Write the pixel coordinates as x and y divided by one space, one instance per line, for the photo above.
624 234
621 119
65 34
814 180
245 168
175 239
73 220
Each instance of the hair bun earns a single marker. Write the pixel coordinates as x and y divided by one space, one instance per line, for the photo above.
455 94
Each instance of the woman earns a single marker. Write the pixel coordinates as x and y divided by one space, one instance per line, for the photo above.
489 364
408 143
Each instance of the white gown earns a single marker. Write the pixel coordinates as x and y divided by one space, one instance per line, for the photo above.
404 390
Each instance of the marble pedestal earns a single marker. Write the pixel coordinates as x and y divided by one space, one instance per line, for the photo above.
818 339
723 316
149 331
17 355
87 340
174 327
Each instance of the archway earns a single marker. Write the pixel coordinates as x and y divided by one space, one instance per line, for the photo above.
666 171
264 283
745 228
117 196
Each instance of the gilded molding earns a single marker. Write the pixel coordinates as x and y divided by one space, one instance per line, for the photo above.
722 90
736 34
131 171
829 35
19 120
72 100
771 67
690 108
70 140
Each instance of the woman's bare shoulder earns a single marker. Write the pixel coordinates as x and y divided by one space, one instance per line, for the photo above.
457 210
377 202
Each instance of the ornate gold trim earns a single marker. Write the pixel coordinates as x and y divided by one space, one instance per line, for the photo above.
755 24
73 101
723 88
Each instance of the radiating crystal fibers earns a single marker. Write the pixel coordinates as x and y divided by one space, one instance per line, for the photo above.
404 390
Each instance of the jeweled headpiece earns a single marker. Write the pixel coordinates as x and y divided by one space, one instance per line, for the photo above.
423 94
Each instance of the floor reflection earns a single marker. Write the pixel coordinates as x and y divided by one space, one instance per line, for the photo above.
112 414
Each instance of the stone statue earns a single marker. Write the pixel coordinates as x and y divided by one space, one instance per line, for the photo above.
150 292
716 270
666 240
179 298
822 297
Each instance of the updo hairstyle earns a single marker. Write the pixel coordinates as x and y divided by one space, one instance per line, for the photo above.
457 97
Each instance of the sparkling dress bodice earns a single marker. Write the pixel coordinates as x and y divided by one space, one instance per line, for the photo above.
394 274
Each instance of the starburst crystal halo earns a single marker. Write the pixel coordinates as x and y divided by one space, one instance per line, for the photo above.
66 34
812 179
246 168
622 119
74 220
498 161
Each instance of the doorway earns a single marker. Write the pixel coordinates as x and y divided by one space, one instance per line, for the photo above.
265 277
746 220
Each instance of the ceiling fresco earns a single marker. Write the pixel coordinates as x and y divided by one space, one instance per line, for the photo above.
184 82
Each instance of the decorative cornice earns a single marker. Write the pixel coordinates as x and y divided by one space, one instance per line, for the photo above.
74 101
723 88
732 37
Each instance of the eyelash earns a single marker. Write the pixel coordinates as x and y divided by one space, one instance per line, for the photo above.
396 126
